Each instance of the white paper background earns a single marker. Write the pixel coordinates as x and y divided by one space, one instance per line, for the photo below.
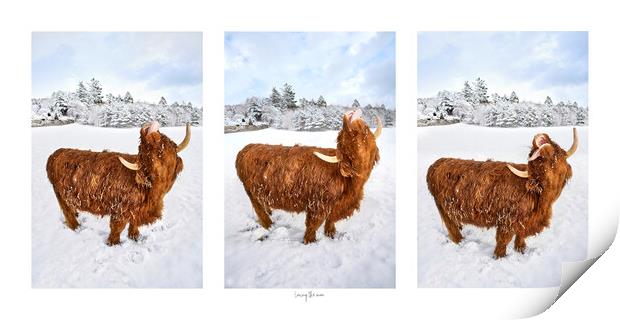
594 294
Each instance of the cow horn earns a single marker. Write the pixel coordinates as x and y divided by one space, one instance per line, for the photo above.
379 127
517 172
573 148
330 159
129 165
185 141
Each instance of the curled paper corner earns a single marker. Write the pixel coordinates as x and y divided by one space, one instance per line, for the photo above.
572 271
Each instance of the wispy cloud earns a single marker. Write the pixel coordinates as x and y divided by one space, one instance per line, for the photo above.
148 64
534 64
339 66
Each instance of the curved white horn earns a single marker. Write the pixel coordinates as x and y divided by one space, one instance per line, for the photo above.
330 159
129 165
517 172
379 127
185 141
573 148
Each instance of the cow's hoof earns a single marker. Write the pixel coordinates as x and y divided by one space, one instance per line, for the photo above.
309 240
499 255
134 236
73 226
520 249
112 242
330 233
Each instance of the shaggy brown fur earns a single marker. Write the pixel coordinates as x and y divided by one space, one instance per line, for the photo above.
295 180
487 194
99 183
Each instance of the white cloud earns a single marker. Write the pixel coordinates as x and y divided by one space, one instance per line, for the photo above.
328 64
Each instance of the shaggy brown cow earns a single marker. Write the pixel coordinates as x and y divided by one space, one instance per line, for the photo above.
129 188
514 198
325 183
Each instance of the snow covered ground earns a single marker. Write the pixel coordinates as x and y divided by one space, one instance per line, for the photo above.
441 263
360 256
170 251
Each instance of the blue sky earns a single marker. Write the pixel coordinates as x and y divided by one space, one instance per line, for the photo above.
533 64
149 65
339 66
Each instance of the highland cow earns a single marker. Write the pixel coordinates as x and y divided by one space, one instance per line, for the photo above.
128 188
328 184
514 198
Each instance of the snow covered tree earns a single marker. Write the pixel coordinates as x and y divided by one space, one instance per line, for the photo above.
548 102
110 98
128 98
95 91
546 117
356 104
582 116
468 93
321 102
82 93
513 98
276 98
446 107
162 102
288 96
60 107
481 91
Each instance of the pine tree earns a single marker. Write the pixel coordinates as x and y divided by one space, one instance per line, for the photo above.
60 107
514 98
95 91
128 98
162 102
276 98
582 116
82 93
109 98
548 102
356 104
288 96
468 93
481 91
321 102
446 106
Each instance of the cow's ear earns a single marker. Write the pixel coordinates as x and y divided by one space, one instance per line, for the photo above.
142 179
345 166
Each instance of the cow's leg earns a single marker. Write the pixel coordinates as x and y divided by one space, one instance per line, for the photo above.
330 228
134 232
263 216
117 225
69 212
313 222
520 243
335 216
502 239
454 229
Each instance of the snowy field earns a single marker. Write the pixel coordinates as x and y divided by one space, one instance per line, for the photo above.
441 263
169 253
360 256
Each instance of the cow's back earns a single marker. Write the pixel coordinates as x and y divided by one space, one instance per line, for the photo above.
93 181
